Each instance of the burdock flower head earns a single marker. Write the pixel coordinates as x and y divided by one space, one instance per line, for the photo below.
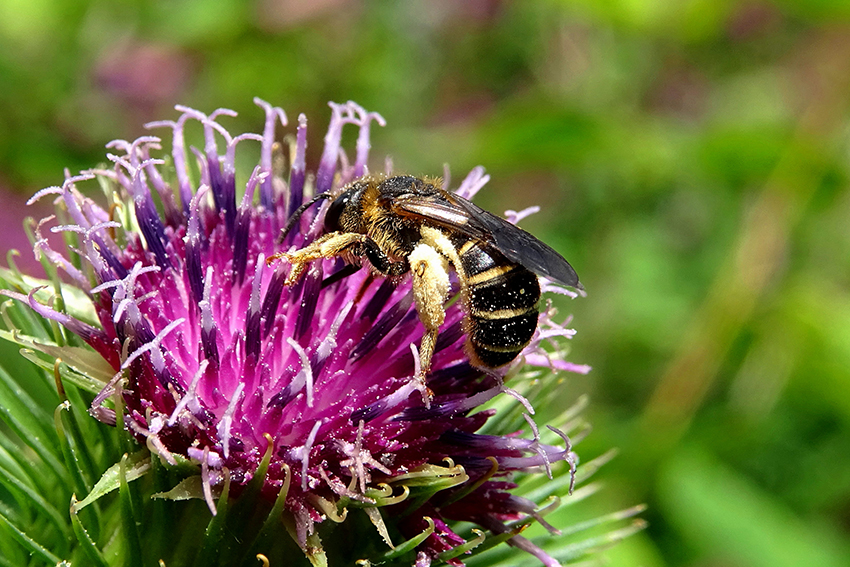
295 404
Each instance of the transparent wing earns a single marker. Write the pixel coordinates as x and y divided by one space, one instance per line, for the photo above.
451 211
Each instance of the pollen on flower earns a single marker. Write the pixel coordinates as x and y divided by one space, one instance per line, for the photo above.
360 460
212 353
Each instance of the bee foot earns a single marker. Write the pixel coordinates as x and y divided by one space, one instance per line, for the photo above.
278 256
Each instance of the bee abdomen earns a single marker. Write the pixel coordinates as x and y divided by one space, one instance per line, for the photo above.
502 304
495 342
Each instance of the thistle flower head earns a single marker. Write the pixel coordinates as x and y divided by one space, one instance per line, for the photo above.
207 357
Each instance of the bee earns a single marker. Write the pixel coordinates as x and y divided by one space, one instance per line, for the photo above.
406 224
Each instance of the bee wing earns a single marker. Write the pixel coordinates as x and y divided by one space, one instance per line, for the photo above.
452 211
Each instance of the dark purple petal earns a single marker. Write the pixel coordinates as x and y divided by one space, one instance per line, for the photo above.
363 139
243 225
272 114
178 155
379 330
298 172
379 300
309 300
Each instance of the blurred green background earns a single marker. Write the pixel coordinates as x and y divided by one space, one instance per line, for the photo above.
691 158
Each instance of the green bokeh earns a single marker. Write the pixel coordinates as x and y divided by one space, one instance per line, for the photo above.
691 158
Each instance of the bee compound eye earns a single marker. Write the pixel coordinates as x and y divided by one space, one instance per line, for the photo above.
335 212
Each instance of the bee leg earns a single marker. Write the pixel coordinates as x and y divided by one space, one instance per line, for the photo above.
381 262
329 245
430 289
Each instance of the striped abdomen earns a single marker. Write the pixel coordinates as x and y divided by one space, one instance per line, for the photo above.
501 300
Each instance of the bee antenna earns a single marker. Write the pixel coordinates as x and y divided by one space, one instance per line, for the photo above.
297 214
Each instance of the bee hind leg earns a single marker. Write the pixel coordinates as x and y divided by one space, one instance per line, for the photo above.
327 246
431 285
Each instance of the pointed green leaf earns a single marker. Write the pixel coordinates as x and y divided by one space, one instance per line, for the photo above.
129 516
79 445
214 534
186 489
28 420
38 502
138 464
272 523
87 545
90 371
411 544
27 542
17 460
463 548
67 444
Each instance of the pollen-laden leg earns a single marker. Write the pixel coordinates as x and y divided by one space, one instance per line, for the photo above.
327 246
431 285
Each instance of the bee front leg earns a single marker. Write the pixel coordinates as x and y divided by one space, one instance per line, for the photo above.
381 262
327 246
431 285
